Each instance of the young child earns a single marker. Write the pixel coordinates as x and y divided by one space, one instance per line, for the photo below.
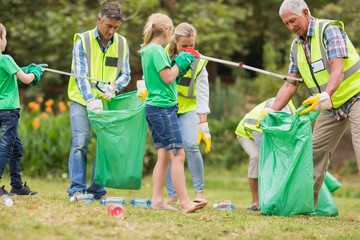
161 110
11 147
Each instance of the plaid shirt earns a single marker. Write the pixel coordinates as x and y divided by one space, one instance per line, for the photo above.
343 111
334 41
335 44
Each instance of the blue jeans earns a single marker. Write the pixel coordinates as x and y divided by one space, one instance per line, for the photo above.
188 124
80 129
11 147
164 127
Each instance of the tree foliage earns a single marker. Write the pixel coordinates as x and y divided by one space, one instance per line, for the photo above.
42 31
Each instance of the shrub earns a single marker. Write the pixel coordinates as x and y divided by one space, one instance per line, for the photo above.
45 131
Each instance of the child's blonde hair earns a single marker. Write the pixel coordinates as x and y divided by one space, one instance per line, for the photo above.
182 30
157 24
2 30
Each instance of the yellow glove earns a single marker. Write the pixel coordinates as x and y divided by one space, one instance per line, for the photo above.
142 95
317 103
109 94
262 114
204 134
142 91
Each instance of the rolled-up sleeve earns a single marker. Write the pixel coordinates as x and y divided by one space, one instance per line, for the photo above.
335 42
81 69
123 80
292 65
202 92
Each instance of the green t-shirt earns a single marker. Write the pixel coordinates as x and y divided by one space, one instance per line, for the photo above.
9 91
153 60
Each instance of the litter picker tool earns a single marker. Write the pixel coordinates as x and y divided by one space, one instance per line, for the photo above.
99 84
74 75
240 65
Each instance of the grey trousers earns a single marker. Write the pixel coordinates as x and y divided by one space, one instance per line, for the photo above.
326 136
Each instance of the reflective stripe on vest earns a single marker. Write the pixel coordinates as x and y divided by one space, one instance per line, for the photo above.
248 123
106 66
187 87
316 74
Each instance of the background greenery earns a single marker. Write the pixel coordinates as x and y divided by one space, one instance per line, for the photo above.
41 31
251 31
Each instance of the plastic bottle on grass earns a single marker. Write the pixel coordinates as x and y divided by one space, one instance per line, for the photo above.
225 205
80 197
116 210
113 200
141 202
7 200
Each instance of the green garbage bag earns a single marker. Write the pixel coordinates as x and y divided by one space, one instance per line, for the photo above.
121 137
286 164
326 205
331 182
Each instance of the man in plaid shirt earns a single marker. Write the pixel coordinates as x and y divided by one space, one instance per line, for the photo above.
325 58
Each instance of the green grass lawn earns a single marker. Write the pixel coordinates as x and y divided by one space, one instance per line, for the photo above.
50 215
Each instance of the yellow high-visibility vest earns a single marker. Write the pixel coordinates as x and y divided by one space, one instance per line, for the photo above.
187 86
316 74
248 123
103 66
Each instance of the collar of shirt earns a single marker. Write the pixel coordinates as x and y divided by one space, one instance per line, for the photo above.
97 36
311 30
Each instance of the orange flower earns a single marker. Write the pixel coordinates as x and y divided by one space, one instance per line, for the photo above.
36 123
68 104
44 116
49 102
49 109
39 99
62 107
35 107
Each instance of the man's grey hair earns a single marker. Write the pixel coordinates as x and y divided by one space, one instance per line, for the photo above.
294 6
111 10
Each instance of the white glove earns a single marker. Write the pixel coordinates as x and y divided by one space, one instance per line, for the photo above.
110 93
94 105
140 85
325 102
141 89
204 128
316 103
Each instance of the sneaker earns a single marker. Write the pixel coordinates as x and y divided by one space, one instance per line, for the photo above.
3 191
25 190
253 208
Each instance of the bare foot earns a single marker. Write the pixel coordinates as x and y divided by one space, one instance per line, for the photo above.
192 206
171 200
199 195
163 206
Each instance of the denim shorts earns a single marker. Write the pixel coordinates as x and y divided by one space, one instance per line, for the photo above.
164 127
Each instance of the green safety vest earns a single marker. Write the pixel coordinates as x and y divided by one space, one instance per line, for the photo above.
248 123
103 66
316 74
